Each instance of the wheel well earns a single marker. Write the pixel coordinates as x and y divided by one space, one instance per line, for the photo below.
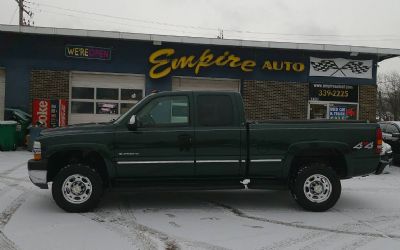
91 158
333 157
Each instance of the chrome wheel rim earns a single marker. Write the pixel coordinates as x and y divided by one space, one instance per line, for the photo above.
317 188
77 189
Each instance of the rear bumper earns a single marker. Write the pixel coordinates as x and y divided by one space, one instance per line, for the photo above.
38 173
386 160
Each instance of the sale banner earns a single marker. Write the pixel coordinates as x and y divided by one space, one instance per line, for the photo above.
62 114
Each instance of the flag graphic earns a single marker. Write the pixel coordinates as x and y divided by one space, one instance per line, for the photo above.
340 67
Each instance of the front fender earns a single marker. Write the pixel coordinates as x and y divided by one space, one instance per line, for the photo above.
101 149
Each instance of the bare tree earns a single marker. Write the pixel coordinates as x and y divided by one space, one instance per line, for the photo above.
389 96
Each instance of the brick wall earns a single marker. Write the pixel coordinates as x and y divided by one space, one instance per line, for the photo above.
268 100
367 102
48 84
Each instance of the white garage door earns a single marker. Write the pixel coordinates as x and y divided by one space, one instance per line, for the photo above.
192 83
2 92
96 97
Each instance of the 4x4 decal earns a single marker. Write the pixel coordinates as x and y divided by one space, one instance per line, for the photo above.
365 145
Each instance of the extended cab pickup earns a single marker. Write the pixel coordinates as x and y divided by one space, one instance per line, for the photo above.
201 140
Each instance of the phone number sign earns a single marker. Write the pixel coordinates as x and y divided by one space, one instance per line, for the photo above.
333 92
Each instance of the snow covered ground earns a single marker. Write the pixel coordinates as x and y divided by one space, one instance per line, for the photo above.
367 216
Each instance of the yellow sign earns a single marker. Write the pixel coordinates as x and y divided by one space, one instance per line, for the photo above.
163 63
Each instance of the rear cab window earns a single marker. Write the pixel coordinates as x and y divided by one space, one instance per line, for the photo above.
215 110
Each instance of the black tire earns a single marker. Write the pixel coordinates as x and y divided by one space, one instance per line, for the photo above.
299 189
87 177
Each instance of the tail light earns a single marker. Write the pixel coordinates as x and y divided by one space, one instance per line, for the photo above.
378 148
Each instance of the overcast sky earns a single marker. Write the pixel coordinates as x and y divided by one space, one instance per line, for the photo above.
351 22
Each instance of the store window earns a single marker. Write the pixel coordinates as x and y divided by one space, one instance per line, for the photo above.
333 101
111 101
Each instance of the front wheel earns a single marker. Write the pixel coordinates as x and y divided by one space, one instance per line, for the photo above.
316 187
77 188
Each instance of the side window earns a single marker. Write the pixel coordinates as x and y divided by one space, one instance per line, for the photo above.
214 110
165 111
391 129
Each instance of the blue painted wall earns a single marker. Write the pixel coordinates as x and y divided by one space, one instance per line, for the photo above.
21 53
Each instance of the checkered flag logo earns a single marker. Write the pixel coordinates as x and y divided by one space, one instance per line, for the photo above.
356 67
324 65
340 67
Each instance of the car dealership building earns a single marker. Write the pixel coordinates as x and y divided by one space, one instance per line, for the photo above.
102 74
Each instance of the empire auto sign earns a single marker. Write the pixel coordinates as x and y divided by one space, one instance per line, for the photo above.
164 62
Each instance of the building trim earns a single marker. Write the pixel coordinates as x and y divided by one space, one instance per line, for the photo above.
381 52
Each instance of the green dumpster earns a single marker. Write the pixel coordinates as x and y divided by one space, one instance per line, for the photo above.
8 135
23 120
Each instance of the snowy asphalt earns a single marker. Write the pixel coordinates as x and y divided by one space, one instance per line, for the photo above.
367 216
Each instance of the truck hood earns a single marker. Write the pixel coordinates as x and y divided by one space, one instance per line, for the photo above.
77 129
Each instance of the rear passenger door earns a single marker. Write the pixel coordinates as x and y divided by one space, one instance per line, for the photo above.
217 135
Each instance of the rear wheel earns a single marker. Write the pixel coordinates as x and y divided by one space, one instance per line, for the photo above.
77 188
316 186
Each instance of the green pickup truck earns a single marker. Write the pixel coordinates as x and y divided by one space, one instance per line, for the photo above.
201 140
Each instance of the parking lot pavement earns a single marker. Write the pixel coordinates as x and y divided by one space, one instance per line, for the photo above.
367 216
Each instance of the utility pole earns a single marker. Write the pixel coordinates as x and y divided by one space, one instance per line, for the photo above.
221 34
21 12
22 9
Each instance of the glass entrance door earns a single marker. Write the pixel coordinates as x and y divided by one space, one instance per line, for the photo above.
318 111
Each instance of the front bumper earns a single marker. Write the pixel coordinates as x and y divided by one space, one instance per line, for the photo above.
386 160
38 173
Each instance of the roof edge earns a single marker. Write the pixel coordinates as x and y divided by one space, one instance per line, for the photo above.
384 53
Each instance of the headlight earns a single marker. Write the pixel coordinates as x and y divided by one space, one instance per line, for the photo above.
37 151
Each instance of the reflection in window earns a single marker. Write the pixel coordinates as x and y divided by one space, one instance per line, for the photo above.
165 111
126 106
131 94
107 94
82 93
82 107
106 108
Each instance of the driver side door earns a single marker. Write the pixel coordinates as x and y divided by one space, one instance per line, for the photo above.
162 143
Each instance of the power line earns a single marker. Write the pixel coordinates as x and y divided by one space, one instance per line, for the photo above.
13 16
114 22
211 35
124 18
214 29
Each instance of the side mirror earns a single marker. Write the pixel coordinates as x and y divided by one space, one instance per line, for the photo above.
132 125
